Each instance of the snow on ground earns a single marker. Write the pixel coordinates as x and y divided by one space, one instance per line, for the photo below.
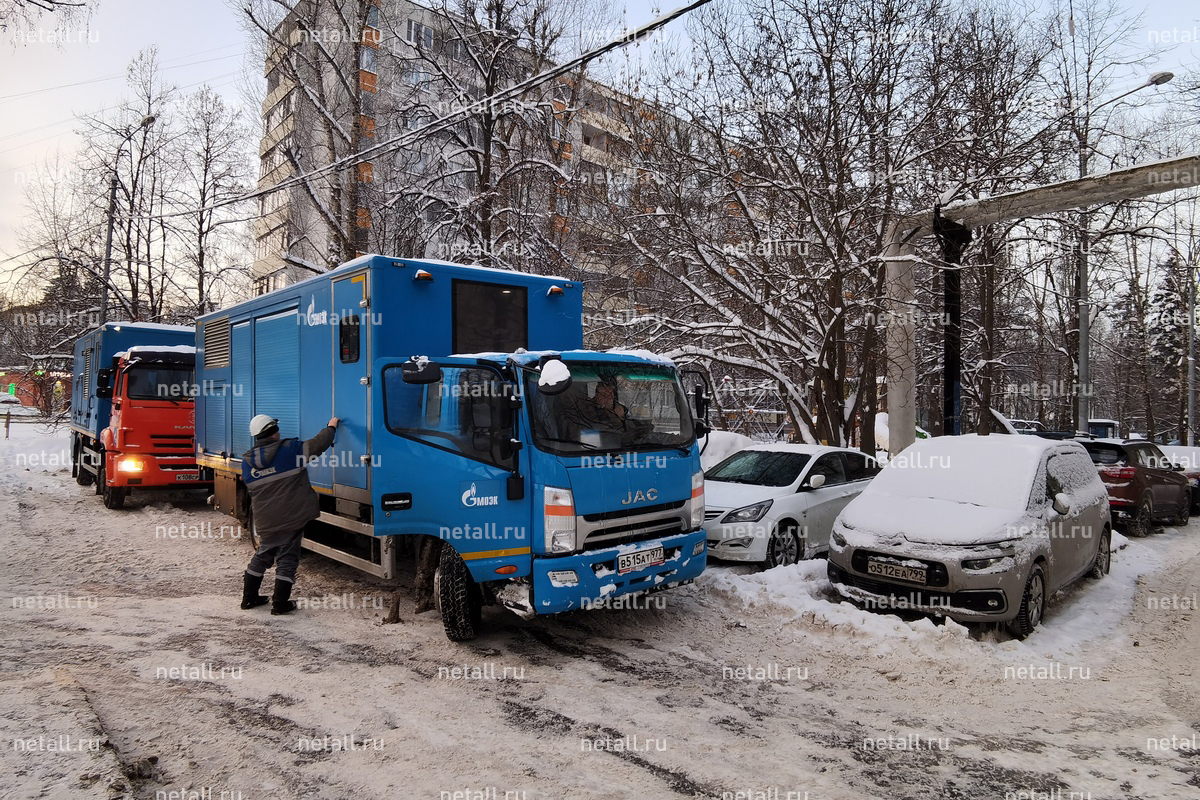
760 683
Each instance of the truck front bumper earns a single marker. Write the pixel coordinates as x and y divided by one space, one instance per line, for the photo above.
595 578
154 472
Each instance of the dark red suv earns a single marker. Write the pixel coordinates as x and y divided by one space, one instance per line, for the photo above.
1144 487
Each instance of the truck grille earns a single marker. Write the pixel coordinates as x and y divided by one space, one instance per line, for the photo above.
625 527
172 443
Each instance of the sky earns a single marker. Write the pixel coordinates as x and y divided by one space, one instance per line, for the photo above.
44 84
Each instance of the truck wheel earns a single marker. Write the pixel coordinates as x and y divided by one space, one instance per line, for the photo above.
82 476
458 599
1103 560
114 496
1033 604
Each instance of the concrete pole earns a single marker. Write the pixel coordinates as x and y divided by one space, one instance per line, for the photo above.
1191 380
901 338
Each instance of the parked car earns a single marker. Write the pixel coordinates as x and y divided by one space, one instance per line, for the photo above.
775 504
974 528
1188 458
1143 485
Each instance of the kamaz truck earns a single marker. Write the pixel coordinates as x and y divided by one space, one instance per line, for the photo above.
474 432
132 418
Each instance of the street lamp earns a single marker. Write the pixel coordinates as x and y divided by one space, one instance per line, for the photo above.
146 122
1085 314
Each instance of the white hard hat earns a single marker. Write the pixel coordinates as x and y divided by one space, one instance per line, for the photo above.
262 423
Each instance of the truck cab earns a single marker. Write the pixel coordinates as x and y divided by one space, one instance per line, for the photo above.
560 481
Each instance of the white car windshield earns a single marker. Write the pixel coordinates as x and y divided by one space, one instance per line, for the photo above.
759 467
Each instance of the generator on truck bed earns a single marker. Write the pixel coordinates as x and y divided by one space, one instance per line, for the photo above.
547 477
132 418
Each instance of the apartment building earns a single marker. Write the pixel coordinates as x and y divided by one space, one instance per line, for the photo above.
345 75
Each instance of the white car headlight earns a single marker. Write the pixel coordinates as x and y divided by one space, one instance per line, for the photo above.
749 513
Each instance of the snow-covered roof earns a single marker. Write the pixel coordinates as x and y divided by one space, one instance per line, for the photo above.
151 326
185 349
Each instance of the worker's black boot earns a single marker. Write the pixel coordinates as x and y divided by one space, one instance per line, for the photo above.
250 596
280 604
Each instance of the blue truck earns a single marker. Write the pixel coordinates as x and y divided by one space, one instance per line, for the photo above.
132 415
475 434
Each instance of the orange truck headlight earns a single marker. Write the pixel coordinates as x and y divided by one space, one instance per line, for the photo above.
129 465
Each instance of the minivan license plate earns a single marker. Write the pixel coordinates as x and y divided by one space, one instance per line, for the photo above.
650 557
886 570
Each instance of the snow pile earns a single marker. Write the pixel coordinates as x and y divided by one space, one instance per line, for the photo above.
720 445
804 590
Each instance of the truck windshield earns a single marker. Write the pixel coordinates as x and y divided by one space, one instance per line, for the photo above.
159 382
611 407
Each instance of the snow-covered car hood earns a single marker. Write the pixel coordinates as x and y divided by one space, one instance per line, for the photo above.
720 494
929 521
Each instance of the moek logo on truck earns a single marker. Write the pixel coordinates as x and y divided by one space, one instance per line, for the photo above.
312 317
471 498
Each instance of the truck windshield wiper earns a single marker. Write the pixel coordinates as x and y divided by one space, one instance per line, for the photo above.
571 441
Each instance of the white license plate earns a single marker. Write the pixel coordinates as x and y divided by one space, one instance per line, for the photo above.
188 476
886 570
650 557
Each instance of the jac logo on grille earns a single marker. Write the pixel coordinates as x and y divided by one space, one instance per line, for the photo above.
640 497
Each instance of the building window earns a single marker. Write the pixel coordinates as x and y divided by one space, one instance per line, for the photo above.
366 59
420 35
372 16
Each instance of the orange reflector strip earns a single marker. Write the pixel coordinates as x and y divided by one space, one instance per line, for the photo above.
560 511
697 492
509 570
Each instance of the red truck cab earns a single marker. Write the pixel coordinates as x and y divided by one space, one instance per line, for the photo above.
150 441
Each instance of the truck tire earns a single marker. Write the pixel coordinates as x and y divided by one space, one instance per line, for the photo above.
81 475
114 496
457 597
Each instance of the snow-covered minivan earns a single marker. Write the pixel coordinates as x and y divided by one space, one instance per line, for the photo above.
974 528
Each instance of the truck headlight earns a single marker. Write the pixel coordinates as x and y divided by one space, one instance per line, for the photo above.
697 500
749 513
559 520
129 465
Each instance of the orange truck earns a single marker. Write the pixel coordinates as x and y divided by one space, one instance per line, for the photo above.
133 421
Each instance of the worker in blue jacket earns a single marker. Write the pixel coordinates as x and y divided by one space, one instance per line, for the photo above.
282 502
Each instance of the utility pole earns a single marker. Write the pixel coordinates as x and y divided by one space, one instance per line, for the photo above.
146 122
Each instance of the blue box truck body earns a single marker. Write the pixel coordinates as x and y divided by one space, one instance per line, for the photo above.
530 501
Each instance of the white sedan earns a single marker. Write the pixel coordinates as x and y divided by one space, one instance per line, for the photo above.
775 504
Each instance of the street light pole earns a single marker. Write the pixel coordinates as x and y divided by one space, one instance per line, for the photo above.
1083 388
146 122
1191 381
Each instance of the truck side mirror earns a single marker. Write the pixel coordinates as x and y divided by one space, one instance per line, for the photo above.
700 403
555 377
103 382
420 372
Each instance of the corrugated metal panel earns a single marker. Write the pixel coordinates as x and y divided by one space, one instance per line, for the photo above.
216 343
215 418
277 370
243 380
